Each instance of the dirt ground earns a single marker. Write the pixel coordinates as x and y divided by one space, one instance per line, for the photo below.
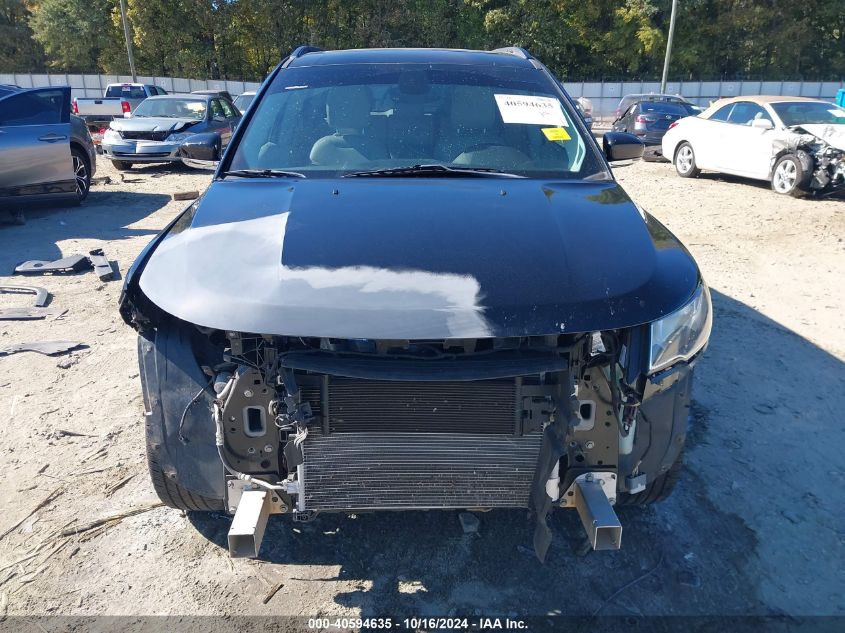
756 526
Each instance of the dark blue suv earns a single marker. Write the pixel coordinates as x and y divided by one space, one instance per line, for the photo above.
415 284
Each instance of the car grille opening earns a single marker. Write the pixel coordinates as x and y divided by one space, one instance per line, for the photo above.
145 136
380 445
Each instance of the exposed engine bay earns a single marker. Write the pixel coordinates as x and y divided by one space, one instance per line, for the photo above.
821 148
335 425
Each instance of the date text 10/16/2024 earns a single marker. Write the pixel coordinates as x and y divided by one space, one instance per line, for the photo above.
413 624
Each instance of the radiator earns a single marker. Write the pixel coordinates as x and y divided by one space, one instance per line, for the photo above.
381 445
383 471
483 406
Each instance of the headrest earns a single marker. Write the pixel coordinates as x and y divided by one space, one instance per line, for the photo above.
348 107
473 107
414 82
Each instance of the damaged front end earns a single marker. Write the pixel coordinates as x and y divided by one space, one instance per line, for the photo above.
821 150
291 364
303 426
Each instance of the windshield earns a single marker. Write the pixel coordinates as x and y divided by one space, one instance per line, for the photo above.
172 109
801 112
333 120
242 102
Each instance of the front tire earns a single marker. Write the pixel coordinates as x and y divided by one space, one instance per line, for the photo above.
685 161
171 493
792 173
81 173
122 165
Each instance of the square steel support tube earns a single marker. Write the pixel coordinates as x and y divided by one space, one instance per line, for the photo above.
600 521
248 526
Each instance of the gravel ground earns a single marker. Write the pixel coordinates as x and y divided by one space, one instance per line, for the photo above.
754 528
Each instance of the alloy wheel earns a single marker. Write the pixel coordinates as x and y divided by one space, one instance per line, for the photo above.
785 176
80 173
685 159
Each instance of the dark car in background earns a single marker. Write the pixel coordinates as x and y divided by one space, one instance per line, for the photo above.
414 283
649 120
46 153
628 100
157 128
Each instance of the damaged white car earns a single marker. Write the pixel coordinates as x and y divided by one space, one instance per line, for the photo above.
797 144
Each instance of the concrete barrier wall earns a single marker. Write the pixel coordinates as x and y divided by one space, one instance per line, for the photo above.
94 85
604 95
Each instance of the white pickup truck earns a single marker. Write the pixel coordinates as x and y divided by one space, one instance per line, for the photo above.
118 101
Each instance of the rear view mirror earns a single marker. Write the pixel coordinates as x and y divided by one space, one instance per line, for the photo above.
622 146
763 124
201 150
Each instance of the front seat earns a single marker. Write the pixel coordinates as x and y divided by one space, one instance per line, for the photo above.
473 135
348 113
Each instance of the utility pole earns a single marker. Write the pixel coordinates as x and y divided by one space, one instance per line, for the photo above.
668 46
129 40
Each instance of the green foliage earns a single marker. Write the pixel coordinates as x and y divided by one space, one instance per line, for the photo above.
577 39
74 34
18 51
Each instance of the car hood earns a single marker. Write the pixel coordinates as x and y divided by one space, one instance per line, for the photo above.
832 134
416 259
151 124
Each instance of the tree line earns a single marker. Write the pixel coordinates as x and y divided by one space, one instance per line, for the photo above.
577 39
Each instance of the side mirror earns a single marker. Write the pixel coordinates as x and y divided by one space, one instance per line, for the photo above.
622 146
763 124
201 150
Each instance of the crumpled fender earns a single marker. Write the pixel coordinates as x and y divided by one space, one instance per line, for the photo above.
171 378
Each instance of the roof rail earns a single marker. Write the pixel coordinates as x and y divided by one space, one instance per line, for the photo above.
516 51
299 51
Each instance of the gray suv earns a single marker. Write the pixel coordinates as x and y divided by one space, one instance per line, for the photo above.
46 153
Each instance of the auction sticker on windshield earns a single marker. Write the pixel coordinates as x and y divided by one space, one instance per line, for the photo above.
556 134
530 110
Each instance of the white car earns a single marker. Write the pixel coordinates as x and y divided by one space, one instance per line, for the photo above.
796 143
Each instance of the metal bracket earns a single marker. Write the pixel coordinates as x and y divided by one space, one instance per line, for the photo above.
607 481
235 488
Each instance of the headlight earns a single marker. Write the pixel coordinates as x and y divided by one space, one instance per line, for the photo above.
178 138
683 333
111 136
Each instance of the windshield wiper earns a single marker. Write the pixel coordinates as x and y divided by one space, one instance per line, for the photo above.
434 171
263 173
